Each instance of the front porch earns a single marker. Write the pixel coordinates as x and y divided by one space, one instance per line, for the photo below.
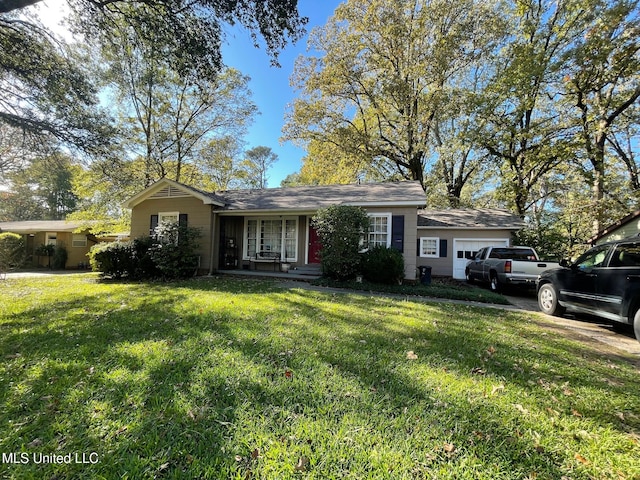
267 244
303 274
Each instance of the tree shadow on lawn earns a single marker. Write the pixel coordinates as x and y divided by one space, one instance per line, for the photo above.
164 387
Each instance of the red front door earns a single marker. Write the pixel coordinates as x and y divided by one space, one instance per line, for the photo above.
314 246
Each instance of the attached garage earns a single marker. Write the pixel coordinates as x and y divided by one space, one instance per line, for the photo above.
465 249
447 239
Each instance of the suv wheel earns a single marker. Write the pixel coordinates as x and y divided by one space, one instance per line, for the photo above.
548 300
636 324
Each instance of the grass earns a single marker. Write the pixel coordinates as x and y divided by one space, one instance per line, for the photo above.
241 379
439 288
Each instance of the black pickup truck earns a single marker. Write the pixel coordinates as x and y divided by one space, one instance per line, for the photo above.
604 281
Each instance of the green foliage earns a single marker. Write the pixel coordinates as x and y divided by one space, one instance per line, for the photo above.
115 259
170 255
12 251
383 265
46 91
45 250
173 253
257 162
38 188
341 229
59 259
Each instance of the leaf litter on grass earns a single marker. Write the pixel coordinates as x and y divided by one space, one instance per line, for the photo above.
376 387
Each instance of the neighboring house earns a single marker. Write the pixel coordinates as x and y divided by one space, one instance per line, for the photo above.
447 239
625 227
53 232
237 225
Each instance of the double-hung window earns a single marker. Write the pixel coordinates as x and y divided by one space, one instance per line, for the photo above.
379 230
429 247
272 235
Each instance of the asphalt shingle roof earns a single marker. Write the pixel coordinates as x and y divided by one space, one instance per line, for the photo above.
469 218
34 226
320 196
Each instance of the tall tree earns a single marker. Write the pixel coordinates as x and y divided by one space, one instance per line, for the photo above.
602 81
522 127
167 119
44 90
257 162
222 164
380 84
41 189
326 164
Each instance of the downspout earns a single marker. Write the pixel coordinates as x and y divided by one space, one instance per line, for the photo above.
214 220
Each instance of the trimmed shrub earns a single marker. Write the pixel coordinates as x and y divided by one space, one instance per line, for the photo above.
144 266
12 251
173 253
341 229
170 255
115 259
59 259
383 265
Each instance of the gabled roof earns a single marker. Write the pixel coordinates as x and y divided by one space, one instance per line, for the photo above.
312 197
481 218
290 199
166 188
614 226
35 226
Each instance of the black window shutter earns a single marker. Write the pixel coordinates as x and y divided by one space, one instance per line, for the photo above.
443 248
153 225
397 232
182 219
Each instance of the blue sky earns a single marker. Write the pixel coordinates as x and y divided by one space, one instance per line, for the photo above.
270 86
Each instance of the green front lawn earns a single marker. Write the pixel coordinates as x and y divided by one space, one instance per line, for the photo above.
241 379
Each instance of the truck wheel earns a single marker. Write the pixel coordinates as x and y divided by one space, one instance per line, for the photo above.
548 300
494 283
636 324
468 276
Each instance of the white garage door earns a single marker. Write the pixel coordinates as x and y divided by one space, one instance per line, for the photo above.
465 249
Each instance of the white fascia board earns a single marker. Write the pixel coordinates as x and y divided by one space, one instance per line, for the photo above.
467 228
266 213
384 204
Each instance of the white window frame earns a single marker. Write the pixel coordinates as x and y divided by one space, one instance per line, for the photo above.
283 233
386 215
78 240
162 215
51 238
423 240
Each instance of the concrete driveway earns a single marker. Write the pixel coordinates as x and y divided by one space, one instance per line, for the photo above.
584 325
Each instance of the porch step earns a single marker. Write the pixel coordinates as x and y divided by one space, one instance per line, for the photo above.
311 270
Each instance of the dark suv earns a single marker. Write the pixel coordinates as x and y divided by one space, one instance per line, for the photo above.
604 281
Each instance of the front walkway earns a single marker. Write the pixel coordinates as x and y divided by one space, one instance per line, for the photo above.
41 273
301 275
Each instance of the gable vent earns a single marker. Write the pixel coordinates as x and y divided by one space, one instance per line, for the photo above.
169 192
